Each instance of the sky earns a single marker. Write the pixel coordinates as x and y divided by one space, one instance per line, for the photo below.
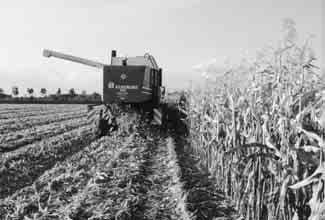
180 34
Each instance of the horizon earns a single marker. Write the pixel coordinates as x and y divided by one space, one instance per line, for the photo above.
180 35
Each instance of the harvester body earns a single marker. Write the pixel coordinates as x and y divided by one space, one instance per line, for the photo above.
126 80
129 84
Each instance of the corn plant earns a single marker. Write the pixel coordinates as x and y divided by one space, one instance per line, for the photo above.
264 142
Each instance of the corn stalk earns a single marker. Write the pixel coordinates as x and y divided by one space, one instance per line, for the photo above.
261 141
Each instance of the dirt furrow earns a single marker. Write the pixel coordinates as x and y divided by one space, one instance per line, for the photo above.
68 183
31 113
204 200
113 192
140 180
163 195
63 185
141 172
15 140
43 120
12 108
23 166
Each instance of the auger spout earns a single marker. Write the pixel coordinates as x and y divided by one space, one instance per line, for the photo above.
50 53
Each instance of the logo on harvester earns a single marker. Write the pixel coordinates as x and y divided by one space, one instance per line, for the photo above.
123 76
111 85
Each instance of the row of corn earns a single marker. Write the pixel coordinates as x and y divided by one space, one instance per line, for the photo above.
259 129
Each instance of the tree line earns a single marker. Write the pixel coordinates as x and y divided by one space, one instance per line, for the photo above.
43 91
71 96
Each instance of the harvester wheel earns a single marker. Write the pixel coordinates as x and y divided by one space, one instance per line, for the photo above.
106 121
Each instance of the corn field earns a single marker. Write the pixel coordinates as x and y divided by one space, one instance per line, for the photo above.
259 130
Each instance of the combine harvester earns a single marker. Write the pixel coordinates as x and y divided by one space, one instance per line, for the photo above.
132 80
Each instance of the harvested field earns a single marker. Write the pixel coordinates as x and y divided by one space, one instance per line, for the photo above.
16 139
62 170
15 124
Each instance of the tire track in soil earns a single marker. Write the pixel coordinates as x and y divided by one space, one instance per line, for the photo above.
204 200
140 183
160 187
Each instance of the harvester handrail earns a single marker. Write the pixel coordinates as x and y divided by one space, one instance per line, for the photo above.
152 60
50 53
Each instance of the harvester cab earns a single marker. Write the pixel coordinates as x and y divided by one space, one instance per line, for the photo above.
127 80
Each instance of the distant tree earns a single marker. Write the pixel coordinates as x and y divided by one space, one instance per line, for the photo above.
83 92
1 91
43 91
15 91
96 96
30 91
72 92
58 92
